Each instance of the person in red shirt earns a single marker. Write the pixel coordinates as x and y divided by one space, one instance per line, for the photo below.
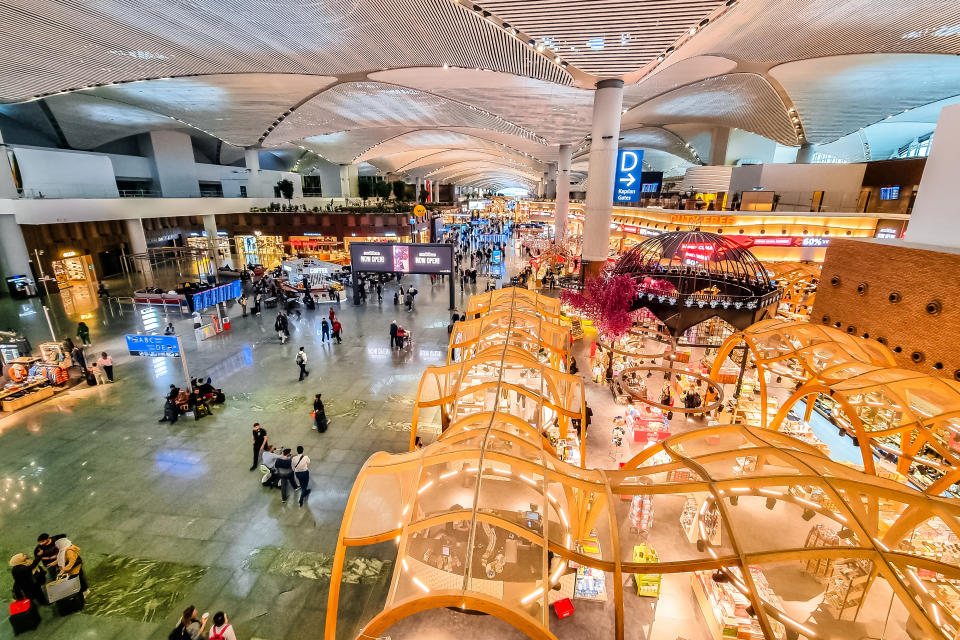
336 327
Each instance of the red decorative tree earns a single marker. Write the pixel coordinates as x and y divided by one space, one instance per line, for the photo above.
606 301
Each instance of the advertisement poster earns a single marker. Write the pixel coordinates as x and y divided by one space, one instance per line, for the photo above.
401 258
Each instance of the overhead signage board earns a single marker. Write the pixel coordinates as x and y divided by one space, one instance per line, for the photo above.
153 346
781 241
223 293
627 182
402 258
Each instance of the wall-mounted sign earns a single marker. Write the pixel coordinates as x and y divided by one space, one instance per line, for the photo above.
404 258
627 179
702 220
419 210
68 254
781 241
153 346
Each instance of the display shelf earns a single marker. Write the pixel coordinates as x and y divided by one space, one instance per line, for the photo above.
846 588
821 536
648 584
725 608
591 583
640 515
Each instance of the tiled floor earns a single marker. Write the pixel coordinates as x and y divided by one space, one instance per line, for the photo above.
169 515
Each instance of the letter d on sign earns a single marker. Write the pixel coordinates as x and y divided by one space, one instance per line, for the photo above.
630 158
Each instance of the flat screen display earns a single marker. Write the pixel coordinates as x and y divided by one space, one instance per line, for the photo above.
889 193
650 187
403 258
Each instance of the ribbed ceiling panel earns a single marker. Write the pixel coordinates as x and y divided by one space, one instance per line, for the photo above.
742 100
604 37
54 45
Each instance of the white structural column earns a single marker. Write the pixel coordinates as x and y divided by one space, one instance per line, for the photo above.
563 193
719 139
598 209
14 257
251 157
213 238
805 153
934 217
174 166
436 191
349 181
551 181
138 244
416 191
8 189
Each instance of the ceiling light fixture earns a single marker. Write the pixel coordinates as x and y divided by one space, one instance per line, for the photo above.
693 30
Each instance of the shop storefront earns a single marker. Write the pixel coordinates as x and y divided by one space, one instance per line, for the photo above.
73 269
320 247
259 249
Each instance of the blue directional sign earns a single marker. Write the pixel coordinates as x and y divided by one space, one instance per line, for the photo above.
154 346
626 181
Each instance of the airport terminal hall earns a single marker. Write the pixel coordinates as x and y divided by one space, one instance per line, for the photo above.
480 320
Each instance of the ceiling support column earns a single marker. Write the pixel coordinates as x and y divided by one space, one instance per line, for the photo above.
14 257
719 138
933 220
563 193
805 153
598 209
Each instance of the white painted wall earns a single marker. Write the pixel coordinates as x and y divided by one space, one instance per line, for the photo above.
795 184
131 166
935 219
329 178
743 145
231 178
57 173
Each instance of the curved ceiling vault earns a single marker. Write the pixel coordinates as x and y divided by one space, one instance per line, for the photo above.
494 87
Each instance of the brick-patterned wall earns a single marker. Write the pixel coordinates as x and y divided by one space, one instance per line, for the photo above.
920 275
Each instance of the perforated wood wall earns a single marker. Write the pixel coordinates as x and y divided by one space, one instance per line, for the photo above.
906 295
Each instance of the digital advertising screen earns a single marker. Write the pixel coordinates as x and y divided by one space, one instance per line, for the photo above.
401 257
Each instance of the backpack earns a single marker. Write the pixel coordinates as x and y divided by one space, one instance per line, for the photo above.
299 358
180 633
219 635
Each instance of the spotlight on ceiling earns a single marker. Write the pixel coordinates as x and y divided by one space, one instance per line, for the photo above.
719 576
808 514
734 500
660 57
845 533
771 503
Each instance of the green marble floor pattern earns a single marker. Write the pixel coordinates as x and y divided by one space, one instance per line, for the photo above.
168 515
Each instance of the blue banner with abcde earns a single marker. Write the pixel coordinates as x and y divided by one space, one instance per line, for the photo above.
153 346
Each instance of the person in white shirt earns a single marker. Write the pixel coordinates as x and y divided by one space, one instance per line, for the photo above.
221 629
302 363
301 469
106 363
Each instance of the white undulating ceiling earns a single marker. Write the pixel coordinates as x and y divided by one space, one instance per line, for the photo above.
398 82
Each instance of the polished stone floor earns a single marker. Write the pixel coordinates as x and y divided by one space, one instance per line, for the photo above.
169 515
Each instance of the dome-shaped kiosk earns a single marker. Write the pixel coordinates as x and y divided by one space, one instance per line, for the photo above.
686 277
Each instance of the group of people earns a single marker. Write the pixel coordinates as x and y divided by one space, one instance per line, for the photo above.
408 297
191 628
54 558
198 399
332 327
399 337
99 371
282 468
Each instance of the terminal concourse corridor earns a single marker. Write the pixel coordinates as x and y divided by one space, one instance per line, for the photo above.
169 515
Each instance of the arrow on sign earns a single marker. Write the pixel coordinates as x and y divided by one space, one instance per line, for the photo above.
629 179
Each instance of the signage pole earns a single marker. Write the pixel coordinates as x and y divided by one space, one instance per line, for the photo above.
453 296
183 361
46 312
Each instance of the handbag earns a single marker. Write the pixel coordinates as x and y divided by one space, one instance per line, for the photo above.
61 588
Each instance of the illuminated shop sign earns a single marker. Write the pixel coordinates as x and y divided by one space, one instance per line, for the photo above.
702 251
718 221
404 258
781 241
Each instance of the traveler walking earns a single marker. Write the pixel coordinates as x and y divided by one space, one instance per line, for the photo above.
301 469
393 333
379 292
221 629
105 362
83 332
324 330
319 414
302 363
337 328
259 442
281 326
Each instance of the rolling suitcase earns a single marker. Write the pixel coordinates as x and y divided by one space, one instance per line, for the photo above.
91 379
322 424
24 616
65 595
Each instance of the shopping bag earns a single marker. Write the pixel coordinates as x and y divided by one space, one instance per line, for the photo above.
61 588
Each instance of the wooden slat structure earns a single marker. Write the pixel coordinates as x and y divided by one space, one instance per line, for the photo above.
478 514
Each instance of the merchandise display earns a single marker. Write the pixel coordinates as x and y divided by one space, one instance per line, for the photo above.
648 584
725 607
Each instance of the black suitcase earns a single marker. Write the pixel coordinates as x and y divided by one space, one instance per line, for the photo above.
70 604
322 424
25 620
91 379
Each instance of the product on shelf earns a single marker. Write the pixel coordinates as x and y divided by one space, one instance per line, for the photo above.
725 607
640 515
846 588
648 584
